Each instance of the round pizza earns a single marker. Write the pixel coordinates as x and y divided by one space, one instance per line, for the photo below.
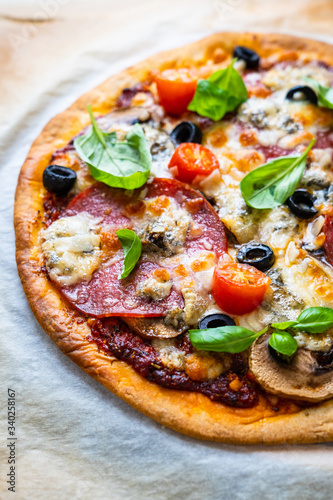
174 232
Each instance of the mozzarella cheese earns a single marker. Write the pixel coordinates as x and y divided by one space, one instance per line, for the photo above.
72 249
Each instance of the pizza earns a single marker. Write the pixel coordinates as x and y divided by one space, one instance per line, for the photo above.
174 235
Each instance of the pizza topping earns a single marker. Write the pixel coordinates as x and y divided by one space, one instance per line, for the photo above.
122 164
302 92
239 288
271 184
301 378
175 225
58 179
175 88
191 160
311 320
154 362
165 234
257 255
283 343
250 57
156 287
325 94
222 92
72 249
301 204
230 338
132 250
186 132
156 328
328 245
214 321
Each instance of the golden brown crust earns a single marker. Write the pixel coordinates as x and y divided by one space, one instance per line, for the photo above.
190 413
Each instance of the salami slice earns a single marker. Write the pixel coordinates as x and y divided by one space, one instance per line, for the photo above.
106 295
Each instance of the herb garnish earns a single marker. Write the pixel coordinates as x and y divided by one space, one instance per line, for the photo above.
311 320
283 342
235 339
324 94
224 338
223 91
271 184
132 250
121 164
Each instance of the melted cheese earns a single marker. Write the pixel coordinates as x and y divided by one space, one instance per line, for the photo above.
72 249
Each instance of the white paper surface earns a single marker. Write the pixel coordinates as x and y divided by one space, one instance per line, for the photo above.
76 440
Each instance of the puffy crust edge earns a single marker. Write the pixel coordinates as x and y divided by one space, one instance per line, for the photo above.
190 413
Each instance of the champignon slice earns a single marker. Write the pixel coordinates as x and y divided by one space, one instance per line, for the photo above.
303 378
125 116
154 328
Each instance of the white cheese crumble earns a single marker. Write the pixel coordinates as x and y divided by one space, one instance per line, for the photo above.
167 231
72 249
154 288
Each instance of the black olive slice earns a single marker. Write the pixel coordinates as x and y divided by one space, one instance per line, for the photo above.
58 179
256 255
186 132
215 320
250 57
301 204
308 93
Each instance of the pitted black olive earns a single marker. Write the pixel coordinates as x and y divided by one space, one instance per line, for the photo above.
256 255
186 132
215 320
59 179
308 92
301 204
250 57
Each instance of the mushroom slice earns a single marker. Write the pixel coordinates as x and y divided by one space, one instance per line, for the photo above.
127 116
304 378
154 328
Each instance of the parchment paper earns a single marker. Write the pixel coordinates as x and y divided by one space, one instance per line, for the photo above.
75 440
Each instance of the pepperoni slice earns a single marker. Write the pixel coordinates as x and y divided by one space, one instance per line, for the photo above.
328 245
105 295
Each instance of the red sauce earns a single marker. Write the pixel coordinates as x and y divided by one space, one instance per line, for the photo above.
115 338
54 206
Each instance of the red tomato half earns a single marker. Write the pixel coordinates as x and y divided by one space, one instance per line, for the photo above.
239 288
175 88
191 160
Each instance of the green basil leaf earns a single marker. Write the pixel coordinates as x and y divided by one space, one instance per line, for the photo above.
283 342
284 325
271 184
315 320
325 94
223 91
224 338
121 164
132 250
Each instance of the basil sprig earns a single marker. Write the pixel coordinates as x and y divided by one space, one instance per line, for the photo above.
271 184
283 342
324 94
311 320
121 164
132 250
223 91
224 338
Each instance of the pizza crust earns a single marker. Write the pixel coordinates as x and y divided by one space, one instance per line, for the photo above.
190 413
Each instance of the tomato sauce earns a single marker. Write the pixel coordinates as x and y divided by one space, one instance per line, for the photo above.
115 338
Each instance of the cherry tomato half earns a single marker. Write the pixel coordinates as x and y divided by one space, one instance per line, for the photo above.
192 159
239 288
175 88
